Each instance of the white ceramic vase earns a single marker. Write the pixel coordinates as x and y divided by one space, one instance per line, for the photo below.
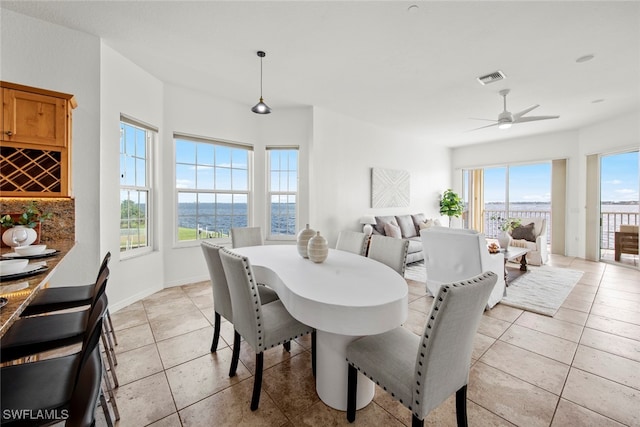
303 240
504 239
7 236
317 248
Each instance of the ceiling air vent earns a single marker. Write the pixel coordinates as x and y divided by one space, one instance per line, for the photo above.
491 77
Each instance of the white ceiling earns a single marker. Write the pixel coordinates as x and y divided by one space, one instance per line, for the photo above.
378 61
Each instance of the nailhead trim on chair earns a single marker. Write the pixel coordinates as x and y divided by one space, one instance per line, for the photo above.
261 346
436 307
404 264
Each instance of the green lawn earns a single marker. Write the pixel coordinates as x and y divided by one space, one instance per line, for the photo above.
186 233
183 234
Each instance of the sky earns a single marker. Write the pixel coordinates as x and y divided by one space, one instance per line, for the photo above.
527 183
532 183
619 177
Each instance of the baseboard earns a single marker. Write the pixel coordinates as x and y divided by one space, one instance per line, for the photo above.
132 299
187 281
141 295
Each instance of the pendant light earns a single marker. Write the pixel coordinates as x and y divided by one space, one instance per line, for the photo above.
261 107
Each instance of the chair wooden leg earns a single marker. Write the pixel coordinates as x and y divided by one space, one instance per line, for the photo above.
416 422
461 406
216 333
352 391
287 346
313 352
257 381
236 354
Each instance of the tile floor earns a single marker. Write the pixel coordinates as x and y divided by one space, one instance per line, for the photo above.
580 368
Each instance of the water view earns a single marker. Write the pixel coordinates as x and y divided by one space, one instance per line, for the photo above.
216 219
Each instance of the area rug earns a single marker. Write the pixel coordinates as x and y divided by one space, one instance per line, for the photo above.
541 290
416 271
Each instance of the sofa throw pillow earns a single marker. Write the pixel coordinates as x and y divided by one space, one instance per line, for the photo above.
430 223
407 227
417 220
524 232
382 220
392 230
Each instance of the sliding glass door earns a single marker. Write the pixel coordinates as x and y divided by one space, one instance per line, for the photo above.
522 191
619 208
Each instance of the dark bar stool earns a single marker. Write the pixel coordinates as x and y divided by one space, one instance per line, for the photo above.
66 297
64 387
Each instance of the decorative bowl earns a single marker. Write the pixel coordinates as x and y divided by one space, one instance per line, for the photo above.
30 250
12 266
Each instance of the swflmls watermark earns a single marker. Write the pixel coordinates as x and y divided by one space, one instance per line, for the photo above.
35 414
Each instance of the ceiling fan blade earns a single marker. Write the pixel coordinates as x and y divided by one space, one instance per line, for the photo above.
486 120
482 127
534 118
525 111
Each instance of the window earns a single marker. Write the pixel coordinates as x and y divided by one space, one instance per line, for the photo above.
212 184
135 186
521 191
283 191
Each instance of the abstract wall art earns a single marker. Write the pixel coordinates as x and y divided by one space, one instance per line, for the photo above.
389 188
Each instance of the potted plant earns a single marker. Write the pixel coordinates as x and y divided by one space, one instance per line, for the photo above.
506 225
30 220
451 204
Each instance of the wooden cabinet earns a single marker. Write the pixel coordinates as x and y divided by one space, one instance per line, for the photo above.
35 145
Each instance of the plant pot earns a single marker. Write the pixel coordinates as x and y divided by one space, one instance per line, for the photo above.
32 236
504 239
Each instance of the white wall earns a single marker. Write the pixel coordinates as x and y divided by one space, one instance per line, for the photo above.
39 54
618 134
336 153
342 154
195 113
127 89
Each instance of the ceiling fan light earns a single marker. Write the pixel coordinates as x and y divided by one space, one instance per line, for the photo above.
504 126
261 107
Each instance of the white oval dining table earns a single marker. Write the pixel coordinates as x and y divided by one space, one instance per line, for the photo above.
345 297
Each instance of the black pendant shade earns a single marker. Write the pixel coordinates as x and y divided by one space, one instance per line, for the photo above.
261 107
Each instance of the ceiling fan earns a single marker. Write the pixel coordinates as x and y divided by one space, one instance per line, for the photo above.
506 119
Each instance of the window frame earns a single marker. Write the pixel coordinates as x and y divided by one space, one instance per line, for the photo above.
270 193
248 193
151 136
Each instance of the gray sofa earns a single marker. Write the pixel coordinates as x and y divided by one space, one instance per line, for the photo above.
405 227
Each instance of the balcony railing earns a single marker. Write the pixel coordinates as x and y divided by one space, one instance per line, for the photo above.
610 221
492 226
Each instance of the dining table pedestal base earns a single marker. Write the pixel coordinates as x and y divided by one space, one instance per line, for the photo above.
331 372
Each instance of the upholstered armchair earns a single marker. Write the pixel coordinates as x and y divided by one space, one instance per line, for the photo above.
532 234
455 254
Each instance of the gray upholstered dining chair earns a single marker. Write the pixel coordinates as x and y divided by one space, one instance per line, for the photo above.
221 297
261 325
390 251
246 236
352 241
423 371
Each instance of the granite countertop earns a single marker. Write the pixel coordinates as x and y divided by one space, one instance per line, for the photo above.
20 292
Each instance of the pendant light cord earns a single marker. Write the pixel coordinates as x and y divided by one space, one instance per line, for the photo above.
261 78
